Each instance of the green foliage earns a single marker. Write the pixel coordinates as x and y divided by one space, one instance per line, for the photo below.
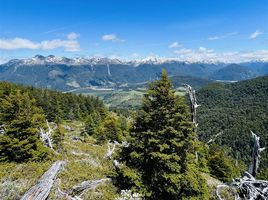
17 178
21 119
263 174
235 109
160 159
92 123
56 105
221 165
58 137
109 129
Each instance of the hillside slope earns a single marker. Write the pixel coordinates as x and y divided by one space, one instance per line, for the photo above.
233 72
235 109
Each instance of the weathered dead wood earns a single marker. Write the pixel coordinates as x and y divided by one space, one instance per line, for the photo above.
41 190
214 137
191 92
77 191
256 155
248 187
111 149
92 184
46 137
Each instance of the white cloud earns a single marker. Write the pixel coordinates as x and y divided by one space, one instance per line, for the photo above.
214 38
256 34
68 45
73 36
183 51
174 45
22 43
111 37
204 54
204 50
17 43
218 37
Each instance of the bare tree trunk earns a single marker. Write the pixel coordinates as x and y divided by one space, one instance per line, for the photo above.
248 187
256 155
41 190
191 92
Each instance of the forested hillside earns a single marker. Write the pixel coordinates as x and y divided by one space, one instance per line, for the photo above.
57 105
235 109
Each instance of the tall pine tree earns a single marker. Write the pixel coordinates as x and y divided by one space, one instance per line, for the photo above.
160 159
21 119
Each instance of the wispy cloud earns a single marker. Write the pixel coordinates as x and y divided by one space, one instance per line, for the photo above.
218 37
73 36
214 38
174 45
204 54
112 38
54 30
183 51
23 43
255 34
135 55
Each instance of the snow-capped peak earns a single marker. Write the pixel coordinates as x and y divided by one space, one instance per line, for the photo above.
53 60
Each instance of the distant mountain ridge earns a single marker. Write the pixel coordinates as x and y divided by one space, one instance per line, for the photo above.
64 74
234 72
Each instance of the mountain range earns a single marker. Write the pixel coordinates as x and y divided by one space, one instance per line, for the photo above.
66 74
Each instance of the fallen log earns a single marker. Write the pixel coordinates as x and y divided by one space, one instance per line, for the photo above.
77 191
92 184
41 190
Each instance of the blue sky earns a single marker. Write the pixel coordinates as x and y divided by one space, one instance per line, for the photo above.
188 29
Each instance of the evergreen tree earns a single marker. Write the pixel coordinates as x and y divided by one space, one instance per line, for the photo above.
109 129
221 165
91 123
160 159
58 137
21 119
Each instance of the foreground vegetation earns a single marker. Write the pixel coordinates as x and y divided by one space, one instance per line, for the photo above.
163 158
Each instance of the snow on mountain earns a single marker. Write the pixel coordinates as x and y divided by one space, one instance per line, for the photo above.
153 60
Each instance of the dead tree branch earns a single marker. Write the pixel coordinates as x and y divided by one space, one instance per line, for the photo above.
214 137
41 190
46 137
111 149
